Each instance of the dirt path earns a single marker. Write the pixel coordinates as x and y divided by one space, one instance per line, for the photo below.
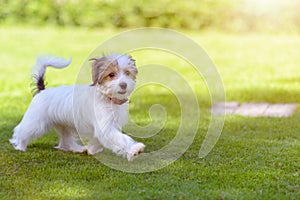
254 109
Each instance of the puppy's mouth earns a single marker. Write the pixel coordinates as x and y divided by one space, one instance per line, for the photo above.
118 101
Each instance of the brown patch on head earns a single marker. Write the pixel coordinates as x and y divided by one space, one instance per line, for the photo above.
104 69
110 73
130 71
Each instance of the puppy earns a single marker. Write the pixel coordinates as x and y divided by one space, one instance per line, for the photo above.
96 112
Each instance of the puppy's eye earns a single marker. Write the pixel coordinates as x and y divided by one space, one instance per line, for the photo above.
111 75
127 72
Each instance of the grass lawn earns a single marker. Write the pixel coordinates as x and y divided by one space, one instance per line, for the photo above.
255 158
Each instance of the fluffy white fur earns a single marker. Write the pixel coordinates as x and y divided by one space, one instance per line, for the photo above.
96 112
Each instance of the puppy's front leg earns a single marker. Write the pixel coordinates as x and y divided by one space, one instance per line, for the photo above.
112 138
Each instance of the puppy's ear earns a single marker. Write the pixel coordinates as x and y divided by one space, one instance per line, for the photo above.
133 65
98 67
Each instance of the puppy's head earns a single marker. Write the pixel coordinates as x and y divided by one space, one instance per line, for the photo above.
115 75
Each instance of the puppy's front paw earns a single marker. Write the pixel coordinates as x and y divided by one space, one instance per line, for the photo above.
135 150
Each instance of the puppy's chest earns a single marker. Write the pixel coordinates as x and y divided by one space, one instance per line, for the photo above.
120 115
113 114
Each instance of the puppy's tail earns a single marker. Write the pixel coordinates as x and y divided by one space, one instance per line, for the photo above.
39 69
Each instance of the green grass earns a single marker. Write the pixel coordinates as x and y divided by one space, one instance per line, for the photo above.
255 158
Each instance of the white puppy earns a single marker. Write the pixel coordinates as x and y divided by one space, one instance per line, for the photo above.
96 112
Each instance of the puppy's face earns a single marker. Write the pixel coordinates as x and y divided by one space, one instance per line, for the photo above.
115 75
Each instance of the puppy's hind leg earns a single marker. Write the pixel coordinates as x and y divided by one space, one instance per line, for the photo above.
19 141
67 140
24 133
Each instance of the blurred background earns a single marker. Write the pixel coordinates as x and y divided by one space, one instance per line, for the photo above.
224 15
253 43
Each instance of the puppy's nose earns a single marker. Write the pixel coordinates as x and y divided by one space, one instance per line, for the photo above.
123 85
